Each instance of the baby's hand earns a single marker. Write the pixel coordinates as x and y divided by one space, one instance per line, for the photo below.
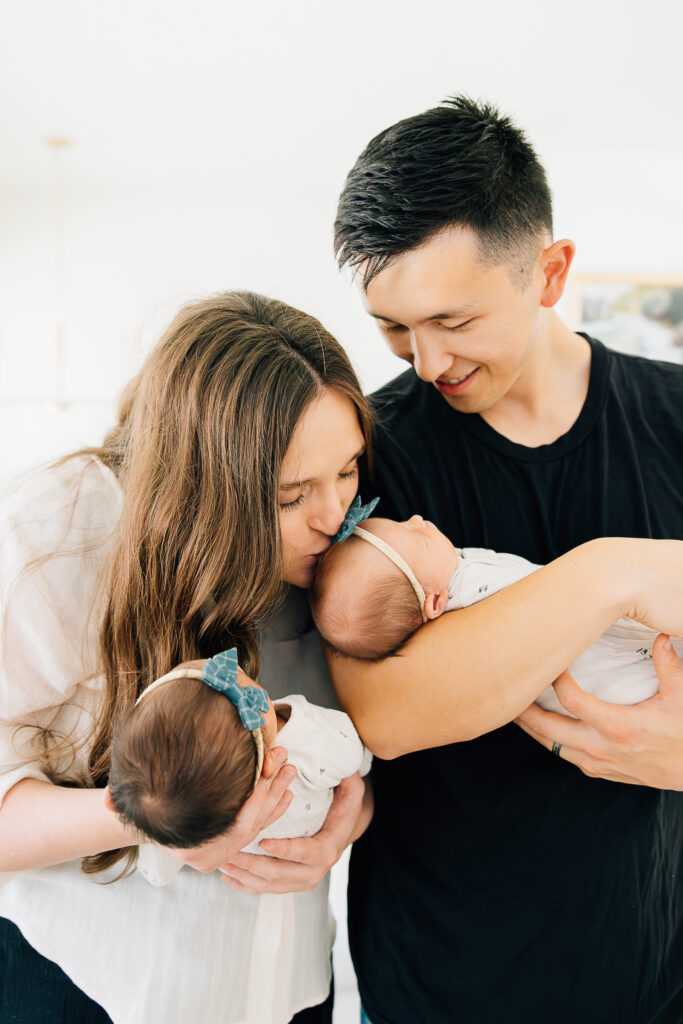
267 803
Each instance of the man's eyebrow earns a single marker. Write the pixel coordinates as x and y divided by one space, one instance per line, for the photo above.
451 314
300 483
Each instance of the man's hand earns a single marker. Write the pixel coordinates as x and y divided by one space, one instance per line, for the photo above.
298 865
641 744
267 803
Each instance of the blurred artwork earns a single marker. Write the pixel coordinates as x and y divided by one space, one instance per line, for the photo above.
639 316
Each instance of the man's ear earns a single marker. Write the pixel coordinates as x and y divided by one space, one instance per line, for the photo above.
435 604
556 260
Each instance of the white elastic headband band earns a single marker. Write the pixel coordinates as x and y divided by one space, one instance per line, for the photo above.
399 562
195 673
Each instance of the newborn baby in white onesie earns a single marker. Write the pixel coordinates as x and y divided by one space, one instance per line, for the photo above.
375 589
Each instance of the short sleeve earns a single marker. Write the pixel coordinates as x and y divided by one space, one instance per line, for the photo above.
329 745
482 573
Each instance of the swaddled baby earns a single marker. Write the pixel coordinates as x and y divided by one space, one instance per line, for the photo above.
384 579
188 755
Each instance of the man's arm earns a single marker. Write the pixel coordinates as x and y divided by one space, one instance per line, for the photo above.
641 744
476 669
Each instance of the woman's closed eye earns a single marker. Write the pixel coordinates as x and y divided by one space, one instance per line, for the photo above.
288 505
348 474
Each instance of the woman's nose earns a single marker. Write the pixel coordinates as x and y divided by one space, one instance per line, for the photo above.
328 516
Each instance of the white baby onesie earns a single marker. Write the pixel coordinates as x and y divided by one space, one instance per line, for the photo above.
616 668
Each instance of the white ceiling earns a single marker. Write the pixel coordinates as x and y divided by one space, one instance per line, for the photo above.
206 93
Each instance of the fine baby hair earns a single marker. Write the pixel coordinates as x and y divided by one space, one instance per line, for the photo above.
382 602
372 619
185 758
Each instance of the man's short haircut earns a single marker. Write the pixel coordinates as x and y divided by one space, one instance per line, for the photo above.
459 164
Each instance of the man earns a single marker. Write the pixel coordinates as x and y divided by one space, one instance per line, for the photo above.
498 883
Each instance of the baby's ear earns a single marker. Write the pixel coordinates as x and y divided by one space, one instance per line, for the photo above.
108 802
435 604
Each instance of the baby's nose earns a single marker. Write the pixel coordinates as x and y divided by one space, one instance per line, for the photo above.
417 520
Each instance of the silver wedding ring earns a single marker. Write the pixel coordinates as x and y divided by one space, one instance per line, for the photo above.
557 747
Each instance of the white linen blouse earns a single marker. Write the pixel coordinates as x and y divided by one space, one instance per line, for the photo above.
180 953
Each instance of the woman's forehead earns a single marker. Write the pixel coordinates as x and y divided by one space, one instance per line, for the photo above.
327 437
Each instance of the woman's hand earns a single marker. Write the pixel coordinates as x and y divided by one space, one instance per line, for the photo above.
298 865
267 803
641 744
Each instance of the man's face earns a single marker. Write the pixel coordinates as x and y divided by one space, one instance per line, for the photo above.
466 326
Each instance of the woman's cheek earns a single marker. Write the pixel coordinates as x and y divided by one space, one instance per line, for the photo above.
290 534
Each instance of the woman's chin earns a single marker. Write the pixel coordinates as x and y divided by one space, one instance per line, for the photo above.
302 575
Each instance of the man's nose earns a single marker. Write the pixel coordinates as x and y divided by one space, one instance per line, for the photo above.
429 359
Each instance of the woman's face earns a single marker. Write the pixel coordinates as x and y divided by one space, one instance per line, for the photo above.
318 482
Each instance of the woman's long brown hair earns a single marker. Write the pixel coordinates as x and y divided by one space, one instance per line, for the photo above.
197 563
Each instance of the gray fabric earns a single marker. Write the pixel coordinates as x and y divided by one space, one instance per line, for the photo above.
292 659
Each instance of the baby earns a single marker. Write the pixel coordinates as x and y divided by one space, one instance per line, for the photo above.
190 752
385 579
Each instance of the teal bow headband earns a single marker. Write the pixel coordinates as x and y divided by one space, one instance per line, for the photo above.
355 513
220 673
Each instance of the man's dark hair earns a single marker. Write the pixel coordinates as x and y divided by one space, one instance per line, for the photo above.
458 164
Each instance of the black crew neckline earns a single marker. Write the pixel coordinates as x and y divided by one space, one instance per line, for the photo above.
577 433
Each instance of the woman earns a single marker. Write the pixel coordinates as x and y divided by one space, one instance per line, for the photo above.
232 466
159 547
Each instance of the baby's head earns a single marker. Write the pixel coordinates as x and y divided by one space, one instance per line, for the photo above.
183 762
364 602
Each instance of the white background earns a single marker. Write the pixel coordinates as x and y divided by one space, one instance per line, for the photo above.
211 140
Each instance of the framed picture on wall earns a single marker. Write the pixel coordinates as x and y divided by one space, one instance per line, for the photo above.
638 314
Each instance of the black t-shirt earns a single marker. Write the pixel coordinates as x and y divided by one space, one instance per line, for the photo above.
497 884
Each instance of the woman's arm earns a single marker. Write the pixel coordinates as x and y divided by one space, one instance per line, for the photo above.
476 669
42 824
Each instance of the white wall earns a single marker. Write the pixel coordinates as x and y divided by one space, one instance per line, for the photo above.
133 255
210 144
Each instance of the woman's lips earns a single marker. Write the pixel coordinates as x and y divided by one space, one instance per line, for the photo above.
448 388
318 554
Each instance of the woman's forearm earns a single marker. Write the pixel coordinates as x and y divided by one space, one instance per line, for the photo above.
42 824
476 669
